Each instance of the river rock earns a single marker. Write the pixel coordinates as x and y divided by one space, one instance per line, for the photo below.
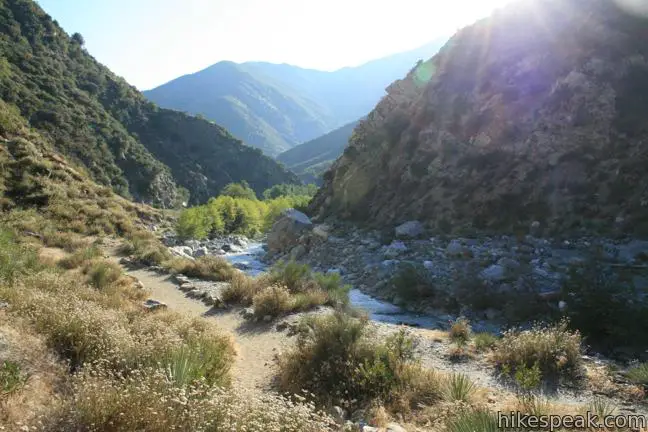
395 249
200 252
455 248
298 252
494 273
411 229
322 231
634 251
182 252
287 231
231 247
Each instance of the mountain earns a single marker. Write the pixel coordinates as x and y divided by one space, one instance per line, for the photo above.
311 159
97 120
536 113
276 106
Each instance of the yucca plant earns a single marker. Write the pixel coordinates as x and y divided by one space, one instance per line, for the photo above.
459 387
639 374
601 407
477 420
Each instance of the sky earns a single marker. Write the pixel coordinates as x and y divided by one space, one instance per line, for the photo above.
150 42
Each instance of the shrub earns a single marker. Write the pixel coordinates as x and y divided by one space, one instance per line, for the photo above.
331 284
413 282
555 349
484 341
243 288
208 360
458 387
102 274
210 268
15 259
338 360
146 248
603 306
473 420
80 258
460 331
147 401
11 378
639 374
293 276
273 301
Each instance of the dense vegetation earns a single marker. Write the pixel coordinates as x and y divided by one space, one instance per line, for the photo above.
97 120
311 159
237 210
275 107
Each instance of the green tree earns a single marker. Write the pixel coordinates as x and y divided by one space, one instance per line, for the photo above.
76 37
239 190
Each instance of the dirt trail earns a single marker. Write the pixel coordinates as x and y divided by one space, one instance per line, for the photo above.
256 344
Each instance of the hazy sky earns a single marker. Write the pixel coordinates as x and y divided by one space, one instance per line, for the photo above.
150 42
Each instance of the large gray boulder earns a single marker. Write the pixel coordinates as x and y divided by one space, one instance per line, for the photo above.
411 229
287 230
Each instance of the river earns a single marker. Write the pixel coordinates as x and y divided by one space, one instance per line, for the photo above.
378 310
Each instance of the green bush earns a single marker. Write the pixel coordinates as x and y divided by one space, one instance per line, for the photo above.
484 341
476 420
413 282
555 349
337 359
101 274
80 258
639 374
272 301
460 331
458 387
11 378
15 259
208 360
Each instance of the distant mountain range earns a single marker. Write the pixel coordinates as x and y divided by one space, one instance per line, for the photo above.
277 106
311 159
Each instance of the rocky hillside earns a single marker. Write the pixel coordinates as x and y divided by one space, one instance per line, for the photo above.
277 106
96 119
311 159
536 113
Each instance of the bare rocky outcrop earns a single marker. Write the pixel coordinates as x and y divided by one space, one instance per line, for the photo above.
287 231
532 115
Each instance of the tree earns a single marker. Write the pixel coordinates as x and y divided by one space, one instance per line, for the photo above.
239 190
76 37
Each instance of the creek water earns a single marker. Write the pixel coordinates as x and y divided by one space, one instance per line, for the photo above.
250 260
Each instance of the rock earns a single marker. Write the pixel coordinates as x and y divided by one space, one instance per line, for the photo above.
240 241
152 305
428 265
241 266
126 261
283 325
4 305
232 248
200 252
562 305
491 314
138 284
212 299
187 286
321 231
298 252
267 318
535 229
248 313
395 427
287 231
410 229
549 295
509 263
369 429
182 252
455 248
395 249
494 273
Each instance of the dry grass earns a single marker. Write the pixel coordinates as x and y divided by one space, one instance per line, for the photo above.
555 350
207 267
80 258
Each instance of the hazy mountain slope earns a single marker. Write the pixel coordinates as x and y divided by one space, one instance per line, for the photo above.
311 159
277 106
536 113
97 119
264 113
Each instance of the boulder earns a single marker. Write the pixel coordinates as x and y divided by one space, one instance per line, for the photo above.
200 252
494 273
411 229
152 305
182 252
298 252
395 427
455 248
395 249
248 313
233 248
636 250
287 230
321 231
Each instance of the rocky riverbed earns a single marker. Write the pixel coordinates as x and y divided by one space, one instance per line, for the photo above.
369 261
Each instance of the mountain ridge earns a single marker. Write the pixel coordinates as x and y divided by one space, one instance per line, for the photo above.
278 106
496 132
97 119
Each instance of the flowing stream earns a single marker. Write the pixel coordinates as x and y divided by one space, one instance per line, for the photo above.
378 310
